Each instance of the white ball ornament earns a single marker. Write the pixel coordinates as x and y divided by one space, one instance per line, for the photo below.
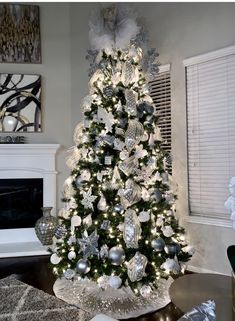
145 291
55 259
167 231
76 220
144 216
115 282
71 255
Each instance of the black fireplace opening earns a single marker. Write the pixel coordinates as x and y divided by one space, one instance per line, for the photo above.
21 200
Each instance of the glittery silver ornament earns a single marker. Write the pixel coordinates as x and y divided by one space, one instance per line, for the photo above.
108 160
88 199
134 134
69 274
131 99
104 251
172 249
105 225
145 291
136 267
108 91
60 231
83 266
89 244
158 244
132 229
117 255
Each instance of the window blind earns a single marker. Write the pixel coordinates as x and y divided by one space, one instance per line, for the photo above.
160 91
211 134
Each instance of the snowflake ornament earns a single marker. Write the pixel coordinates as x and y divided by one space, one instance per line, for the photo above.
89 244
106 118
88 199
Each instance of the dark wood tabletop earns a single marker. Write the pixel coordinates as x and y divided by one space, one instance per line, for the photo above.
34 271
191 290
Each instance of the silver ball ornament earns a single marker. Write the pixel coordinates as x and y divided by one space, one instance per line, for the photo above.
115 282
158 244
118 208
117 255
83 266
172 249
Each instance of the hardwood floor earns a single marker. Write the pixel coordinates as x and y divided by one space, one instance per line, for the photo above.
34 271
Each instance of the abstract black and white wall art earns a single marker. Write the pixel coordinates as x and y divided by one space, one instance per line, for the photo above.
19 33
20 104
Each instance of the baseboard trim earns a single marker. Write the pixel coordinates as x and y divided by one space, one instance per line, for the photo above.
196 269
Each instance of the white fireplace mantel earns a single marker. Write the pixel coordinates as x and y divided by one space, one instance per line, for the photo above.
28 161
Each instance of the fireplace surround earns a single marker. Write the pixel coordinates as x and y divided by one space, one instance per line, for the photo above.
18 161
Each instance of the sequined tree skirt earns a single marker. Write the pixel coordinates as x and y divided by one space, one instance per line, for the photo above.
116 303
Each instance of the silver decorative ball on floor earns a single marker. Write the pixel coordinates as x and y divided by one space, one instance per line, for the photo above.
117 255
83 266
158 244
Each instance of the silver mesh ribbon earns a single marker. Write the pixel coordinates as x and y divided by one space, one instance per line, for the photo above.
132 229
116 303
136 267
131 99
131 194
128 73
134 134
129 165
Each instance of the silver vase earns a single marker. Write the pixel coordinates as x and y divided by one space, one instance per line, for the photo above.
45 226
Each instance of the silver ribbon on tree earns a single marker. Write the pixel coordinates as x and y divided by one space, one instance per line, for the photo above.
134 134
129 74
129 165
131 101
132 229
131 194
136 267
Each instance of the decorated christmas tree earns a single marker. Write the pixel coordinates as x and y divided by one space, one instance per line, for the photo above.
118 224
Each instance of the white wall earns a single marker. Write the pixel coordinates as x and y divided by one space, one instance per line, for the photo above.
178 31
181 30
56 87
